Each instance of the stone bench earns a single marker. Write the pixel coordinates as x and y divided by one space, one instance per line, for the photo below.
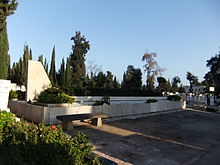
67 119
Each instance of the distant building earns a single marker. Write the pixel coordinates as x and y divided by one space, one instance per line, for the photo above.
195 89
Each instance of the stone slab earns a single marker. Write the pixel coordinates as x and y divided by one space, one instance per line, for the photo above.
5 86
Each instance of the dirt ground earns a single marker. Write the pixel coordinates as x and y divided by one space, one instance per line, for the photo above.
183 137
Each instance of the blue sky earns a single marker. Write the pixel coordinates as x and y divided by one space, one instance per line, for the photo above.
183 33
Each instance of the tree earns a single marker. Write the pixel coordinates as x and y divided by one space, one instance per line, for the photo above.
41 59
68 74
19 70
100 80
52 73
62 74
175 81
46 65
151 68
193 80
162 83
93 68
109 80
213 76
132 79
116 84
7 7
77 59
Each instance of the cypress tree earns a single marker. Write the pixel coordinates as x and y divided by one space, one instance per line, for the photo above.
77 59
6 8
62 73
4 62
46 65
31 57
52 73
68 74
26 56
41 59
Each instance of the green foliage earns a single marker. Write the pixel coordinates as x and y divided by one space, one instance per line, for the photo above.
132 79
4 47
212 78
5 118
25 143
193 80
7 7
13 94
62 74
52 73
19 69
110 92
77 59
174 98
54 95
104 100
68 74
151 101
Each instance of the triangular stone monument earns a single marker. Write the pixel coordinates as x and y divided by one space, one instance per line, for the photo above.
37 80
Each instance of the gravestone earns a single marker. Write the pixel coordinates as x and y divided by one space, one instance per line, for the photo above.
4 93
37 80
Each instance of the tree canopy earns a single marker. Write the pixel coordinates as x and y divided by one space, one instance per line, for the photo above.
152 69
80 48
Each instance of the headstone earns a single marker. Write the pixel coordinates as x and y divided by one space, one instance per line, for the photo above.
37 80
5 87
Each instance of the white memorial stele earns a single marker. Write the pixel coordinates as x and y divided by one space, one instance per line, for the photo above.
37 80
5 87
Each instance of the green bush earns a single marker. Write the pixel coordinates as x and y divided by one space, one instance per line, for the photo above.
104 100
13 95
174 98
25 144
21 95
5 118
54 95
151 101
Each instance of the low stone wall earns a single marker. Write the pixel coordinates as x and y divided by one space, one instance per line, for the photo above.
48 114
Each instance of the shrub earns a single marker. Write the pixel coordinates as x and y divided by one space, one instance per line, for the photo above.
104 100
24 143
21 95
5 118
13 95
54 95
151 101
174 98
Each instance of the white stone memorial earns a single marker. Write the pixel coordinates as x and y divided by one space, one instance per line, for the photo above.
37 80
5 87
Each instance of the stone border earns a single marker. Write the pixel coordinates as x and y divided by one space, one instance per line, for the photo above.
48 115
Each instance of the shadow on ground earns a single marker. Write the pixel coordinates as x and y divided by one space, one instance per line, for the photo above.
185 137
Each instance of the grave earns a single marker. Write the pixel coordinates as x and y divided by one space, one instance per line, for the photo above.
4 93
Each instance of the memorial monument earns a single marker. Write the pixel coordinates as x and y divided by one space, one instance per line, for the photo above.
5 87
37 80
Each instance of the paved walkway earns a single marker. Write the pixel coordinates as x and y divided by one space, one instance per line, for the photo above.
184 137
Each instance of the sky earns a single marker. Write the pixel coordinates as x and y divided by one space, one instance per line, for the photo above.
183 33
